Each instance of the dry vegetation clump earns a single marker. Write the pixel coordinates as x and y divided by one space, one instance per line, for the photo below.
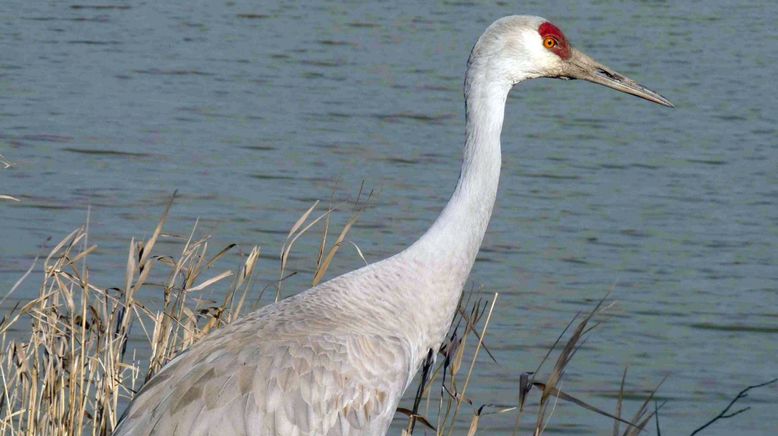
66 363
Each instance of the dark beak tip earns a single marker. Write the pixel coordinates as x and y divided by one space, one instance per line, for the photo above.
665 102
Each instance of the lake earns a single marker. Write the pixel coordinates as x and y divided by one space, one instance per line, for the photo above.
254 110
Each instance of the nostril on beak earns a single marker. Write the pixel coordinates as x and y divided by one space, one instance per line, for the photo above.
608 74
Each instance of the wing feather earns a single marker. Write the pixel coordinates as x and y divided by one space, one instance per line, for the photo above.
278 372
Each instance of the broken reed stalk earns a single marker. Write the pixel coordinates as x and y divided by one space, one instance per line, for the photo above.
472 362
726 414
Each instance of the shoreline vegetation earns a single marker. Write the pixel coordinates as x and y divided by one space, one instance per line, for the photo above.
73 357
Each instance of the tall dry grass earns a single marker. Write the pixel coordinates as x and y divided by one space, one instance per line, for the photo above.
67 366
443 387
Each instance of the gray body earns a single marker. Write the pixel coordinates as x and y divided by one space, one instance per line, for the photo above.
333 360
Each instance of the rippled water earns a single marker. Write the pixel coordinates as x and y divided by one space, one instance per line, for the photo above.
254 111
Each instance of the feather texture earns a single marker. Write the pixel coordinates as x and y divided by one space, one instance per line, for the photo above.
328 361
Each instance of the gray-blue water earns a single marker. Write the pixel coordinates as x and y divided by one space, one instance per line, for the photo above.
253 110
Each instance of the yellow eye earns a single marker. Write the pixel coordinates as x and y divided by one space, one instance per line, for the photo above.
549 42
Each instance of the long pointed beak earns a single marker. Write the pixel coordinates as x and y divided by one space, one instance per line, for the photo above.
581 66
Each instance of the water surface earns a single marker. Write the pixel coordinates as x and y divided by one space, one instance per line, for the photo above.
253 111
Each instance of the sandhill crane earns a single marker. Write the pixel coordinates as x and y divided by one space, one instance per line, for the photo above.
336 359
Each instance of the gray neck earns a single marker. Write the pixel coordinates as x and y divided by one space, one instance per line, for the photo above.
451 244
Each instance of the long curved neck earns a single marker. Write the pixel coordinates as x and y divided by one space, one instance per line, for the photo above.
453 241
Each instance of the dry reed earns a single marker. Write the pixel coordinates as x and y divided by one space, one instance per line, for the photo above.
65 365
470 321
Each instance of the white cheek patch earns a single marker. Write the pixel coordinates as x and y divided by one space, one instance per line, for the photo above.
539 60
534 44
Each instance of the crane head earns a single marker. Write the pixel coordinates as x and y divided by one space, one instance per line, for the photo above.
525 47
